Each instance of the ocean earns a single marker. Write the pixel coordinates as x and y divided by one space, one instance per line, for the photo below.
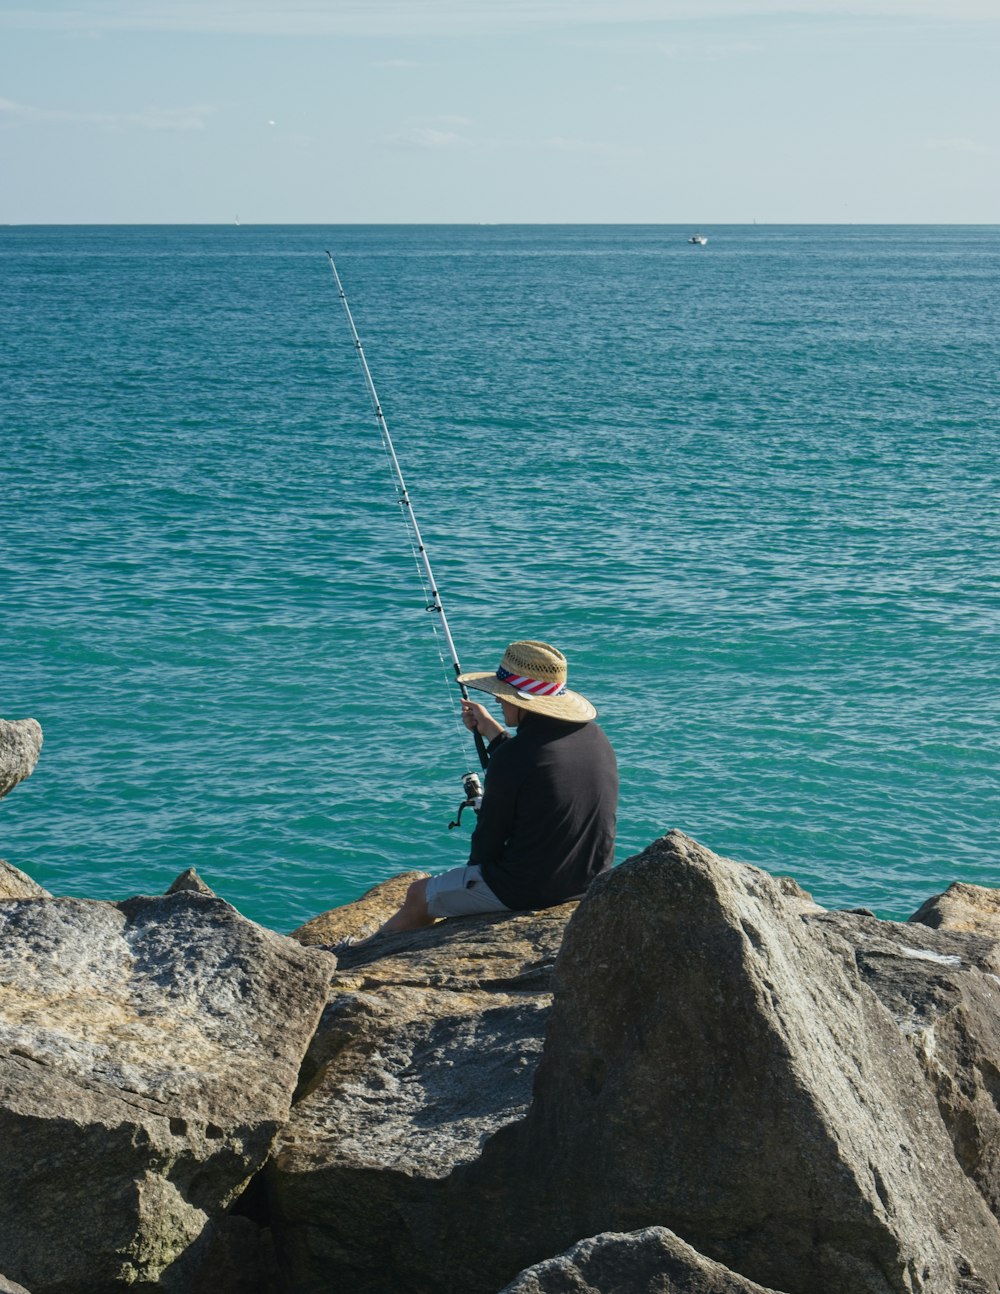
750 489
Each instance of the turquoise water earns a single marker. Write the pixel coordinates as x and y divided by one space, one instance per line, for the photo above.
751 489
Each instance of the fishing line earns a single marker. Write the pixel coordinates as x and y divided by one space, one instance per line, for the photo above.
439 644
431 594
414 541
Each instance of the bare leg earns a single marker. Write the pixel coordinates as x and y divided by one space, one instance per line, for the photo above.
413 914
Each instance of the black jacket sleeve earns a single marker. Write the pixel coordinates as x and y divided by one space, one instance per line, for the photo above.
496 813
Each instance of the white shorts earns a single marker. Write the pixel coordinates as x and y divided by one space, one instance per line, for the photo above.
462 892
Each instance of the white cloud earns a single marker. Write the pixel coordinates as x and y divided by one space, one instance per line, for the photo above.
193 118
564 144
424 139
958 144
428 138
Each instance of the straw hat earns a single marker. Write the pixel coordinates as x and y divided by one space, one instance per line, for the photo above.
532 675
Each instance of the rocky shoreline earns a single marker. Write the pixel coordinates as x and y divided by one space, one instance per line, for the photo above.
694 1081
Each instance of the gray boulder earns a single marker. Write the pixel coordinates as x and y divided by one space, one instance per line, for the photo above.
20 746
939 983
192 882
716 1062
651 1261
722 1058
14 884
11 1287
969 909
149 1051
356 921
427 1048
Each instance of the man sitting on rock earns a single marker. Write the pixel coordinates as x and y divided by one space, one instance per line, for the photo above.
547 821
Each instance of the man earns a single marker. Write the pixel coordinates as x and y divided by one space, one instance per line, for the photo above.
546 825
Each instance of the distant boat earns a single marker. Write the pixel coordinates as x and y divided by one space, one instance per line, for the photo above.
700 239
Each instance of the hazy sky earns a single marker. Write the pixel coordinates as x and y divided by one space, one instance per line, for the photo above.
676 111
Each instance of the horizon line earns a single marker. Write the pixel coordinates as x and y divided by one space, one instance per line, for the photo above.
492 224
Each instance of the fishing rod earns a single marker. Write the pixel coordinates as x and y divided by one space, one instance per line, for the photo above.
470 781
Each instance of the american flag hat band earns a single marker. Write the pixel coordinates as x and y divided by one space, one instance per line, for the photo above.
526 686
533 676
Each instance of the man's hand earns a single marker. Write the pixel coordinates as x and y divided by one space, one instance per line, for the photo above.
478 719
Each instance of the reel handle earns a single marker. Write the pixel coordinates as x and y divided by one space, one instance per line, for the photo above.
473 796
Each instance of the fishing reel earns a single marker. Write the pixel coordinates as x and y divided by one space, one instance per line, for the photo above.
473 797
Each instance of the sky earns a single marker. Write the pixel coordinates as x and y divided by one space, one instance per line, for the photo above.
693 112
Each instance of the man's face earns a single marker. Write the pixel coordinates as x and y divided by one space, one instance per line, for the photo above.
511 713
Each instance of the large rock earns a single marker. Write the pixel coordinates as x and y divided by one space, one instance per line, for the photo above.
357 920
20 746
723 1058
149 1051
951 1019
11 1287
191 881
427 1048
718 1063
14 884
940 986
971 909
652 1261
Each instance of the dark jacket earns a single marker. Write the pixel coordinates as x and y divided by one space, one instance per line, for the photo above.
547 822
